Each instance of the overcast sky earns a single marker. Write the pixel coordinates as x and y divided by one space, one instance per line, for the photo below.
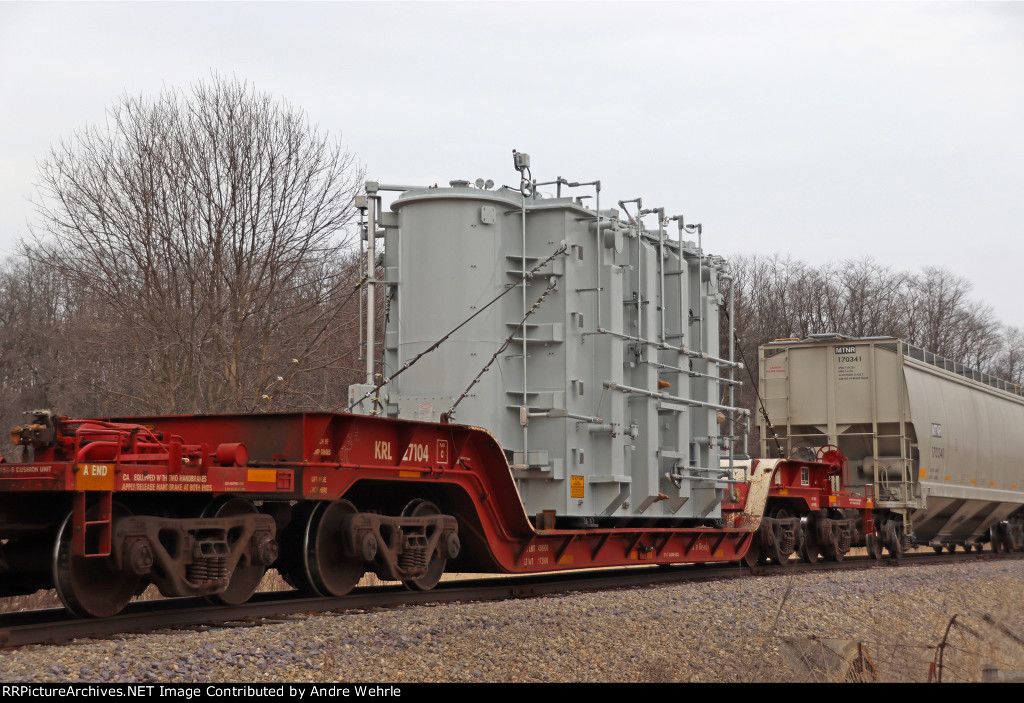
825 131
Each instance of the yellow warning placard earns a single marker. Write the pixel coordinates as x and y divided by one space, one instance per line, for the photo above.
576 486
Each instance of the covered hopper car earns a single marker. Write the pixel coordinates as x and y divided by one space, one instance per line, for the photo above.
937 443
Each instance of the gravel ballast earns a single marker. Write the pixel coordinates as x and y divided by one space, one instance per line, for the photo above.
887 622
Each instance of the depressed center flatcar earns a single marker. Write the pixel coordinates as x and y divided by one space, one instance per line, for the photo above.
99 509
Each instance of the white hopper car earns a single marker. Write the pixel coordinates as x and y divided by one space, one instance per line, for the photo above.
940 445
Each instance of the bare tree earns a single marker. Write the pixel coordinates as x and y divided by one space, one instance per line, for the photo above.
203 232
946 321
873 299
1009 361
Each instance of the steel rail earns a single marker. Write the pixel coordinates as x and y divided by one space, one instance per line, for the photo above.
53 625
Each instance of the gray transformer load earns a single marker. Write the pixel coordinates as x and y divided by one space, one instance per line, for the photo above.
608 398
940 443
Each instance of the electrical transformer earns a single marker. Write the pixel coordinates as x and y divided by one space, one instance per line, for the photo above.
585 339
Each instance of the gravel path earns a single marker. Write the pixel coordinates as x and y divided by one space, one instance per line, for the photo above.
776 628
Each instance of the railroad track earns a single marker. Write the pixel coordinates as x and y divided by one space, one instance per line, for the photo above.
54 625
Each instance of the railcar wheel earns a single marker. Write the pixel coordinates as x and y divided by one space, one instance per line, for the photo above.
938 549
809 556
996 539
436 563
328 569
778 551
246 576
1016 533
90 586
809 547
753 555
1012 542
874 546
952 549
895 547
833 553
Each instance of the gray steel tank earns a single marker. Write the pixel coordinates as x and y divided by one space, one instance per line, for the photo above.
607 399
938 442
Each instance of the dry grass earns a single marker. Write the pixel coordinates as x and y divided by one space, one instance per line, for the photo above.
956 650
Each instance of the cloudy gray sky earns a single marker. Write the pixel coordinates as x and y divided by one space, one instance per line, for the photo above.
826 131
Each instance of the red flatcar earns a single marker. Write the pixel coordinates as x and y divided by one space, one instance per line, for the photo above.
204 505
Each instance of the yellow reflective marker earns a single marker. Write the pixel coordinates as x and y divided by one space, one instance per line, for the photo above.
261 475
